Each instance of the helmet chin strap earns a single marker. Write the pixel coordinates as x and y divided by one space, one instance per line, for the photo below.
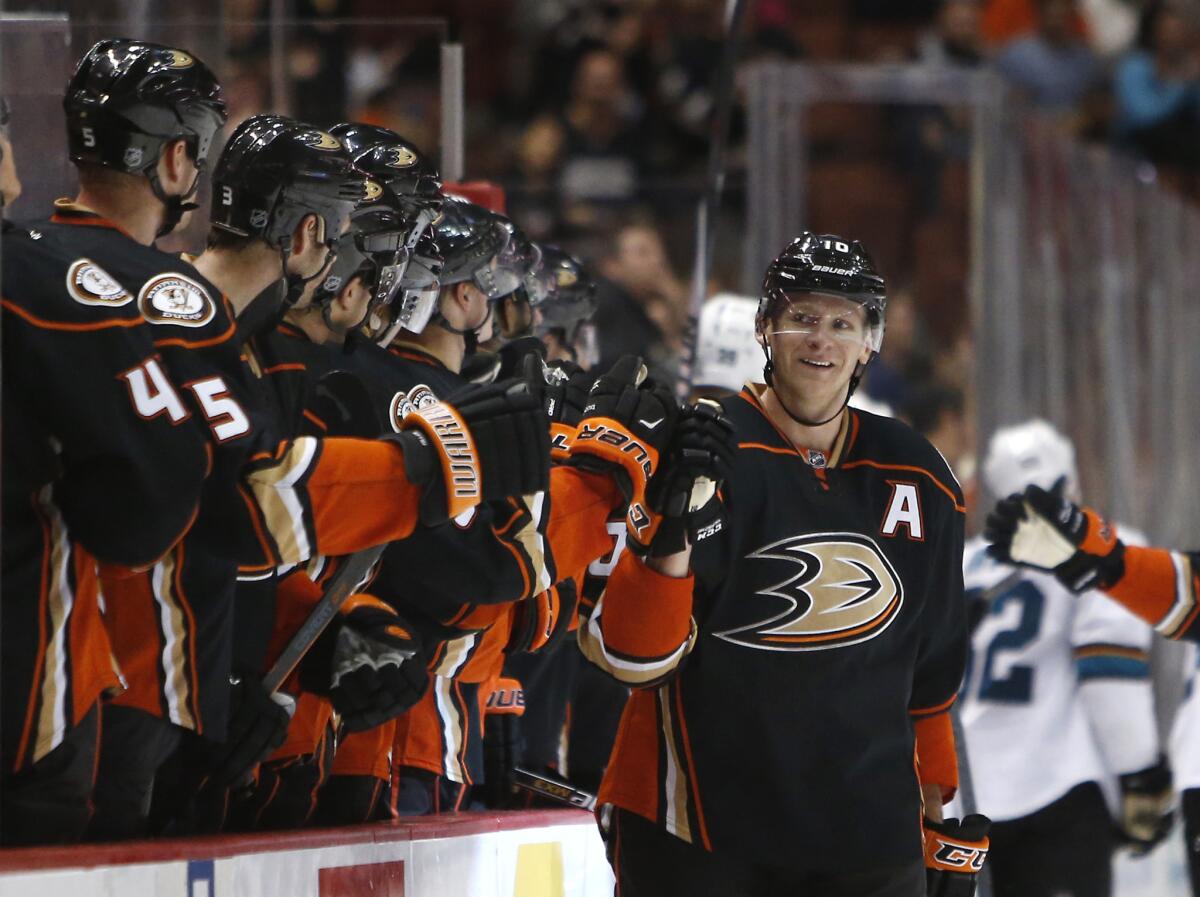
470 335
266 310
769 378
174 207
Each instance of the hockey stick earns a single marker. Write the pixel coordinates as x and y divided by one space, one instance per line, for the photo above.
714 185
344 583
989 595
555 789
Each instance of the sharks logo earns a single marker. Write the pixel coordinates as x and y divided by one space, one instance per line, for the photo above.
839 589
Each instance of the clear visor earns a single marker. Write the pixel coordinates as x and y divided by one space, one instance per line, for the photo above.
508 269
845 322
390 279
539 285
411 312
425 217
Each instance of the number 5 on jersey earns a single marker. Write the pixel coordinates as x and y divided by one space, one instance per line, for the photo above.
152 395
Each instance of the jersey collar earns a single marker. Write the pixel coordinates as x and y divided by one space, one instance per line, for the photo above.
67 211
413 352
752 394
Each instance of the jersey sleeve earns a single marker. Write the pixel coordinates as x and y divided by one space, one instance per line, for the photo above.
331 497
131 458
941 658
642 626
1161 587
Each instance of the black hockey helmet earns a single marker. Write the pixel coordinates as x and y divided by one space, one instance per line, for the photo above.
375 248
829 265
570 294
400 167
128 99
274 171
470 238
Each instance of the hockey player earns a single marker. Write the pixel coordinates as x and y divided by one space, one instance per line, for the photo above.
563 319
1071 675
84 471
283 192
367 277
792 657
1047 530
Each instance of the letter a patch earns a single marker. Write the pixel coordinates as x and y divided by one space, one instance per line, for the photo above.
904 509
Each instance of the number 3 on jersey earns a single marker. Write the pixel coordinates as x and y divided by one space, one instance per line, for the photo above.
1016 685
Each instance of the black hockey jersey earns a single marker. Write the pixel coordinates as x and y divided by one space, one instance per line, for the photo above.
99 451
826 617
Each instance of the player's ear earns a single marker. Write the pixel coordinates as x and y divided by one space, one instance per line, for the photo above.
173 166
306 234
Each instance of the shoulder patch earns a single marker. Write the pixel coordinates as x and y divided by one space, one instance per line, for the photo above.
176 299
405 403
89 284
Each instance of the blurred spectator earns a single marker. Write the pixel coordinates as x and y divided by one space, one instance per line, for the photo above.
685 66
1112 25
1156 87
614 25
1054 66
938 412
926 137
1006 20
955 38
889 377
594 143
641 302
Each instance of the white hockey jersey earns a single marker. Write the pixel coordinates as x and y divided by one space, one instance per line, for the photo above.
1057 691
1185 733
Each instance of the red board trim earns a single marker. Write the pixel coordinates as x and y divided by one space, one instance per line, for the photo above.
222 846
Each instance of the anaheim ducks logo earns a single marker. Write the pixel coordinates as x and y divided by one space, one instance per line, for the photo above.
372 190
175 299
405 403
320 140
180 60
565 278
842 590
89 284
402 157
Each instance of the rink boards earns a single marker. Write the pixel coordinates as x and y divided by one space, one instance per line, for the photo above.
549 853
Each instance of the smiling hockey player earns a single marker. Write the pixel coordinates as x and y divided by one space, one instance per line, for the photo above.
789 662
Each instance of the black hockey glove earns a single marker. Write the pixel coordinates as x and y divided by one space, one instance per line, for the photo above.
563 387
484 443
501 741
341 402
1146 814
954 855
377 668
625 429
682 495
1048 531
258 724
540 623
